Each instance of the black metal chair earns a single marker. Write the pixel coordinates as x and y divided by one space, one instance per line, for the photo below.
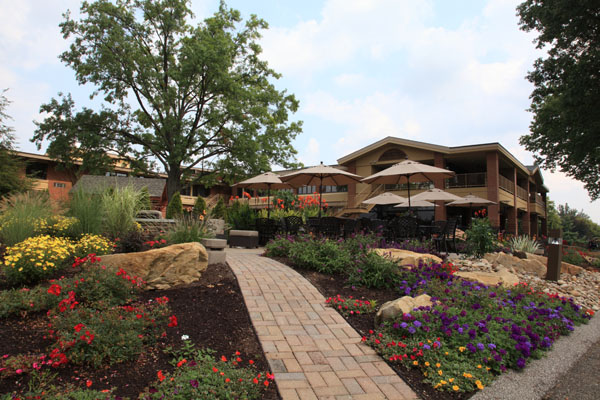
351 226
377 226
447 235
330 227
292 224
267 229
405 228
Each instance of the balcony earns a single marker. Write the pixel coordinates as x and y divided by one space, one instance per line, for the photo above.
521 192
474 179
506 184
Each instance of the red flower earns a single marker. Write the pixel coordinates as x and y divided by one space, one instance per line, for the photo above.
88 383
54 289
250 362
160 375
172 321
78 327
180 363
223 358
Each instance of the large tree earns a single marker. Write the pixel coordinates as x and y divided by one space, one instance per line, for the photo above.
565 131
179 94
12 176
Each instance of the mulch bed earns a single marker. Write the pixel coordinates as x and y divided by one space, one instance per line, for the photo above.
211 312
332 285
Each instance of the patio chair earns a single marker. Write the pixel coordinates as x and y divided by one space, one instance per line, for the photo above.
405 228
377 226
330 227
351 226
447 235
292 224
267 229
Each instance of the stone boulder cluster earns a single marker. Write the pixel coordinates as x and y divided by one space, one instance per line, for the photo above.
576 282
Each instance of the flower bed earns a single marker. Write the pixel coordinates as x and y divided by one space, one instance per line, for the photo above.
469 335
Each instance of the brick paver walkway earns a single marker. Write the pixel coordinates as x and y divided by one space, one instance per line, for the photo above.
311 349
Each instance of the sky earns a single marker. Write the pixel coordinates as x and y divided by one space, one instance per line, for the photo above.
444 72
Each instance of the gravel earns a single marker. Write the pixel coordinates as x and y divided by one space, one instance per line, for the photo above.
557 369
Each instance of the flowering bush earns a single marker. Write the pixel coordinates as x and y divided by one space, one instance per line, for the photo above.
55 225
198 375
374 271
93 244
480 237
36 258
351 306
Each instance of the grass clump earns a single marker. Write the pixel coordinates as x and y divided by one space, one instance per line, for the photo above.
20 213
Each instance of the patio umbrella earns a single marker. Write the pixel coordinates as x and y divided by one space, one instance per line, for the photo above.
436 195
385 199
415 203
321 175
268 180
406 170
471 200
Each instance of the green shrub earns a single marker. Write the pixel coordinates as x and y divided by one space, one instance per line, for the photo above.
324 255
240 216
199 207
20 213
480 237
208 378
524 243
360 244
218 210
175 207
87 208
55 225
280 246
572 256
145 203
374 271
106 337
36 258
187 230
120 206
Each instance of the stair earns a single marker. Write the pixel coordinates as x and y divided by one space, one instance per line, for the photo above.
358 207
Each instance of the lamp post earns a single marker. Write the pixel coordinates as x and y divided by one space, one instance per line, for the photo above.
554 254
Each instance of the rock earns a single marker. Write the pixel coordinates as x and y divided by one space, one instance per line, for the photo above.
406 257
165 267
519 254
491 278
565 268
531 266
404 305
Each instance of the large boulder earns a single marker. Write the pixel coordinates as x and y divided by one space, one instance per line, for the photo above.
165 267
405 257
502 276
565 267
404 305
534 264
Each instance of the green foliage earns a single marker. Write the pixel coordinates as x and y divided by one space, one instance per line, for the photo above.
283 197
188 230
554 221
108 336
208 378
175 207
218 211
480 237
145 203
93 244
321 255
240 216
565 99
86 207
20 213
359 245
375 271
120 205
351 306
280 246
199 207
572 256
235 123
577 226
524 243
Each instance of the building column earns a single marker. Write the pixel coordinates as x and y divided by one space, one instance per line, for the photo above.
534 225
492 173
513 217
440 183
545 219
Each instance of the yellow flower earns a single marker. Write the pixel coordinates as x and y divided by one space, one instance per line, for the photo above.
443 382
438 365
455 388
466 375
451 380
446 353
461 349
479 366
440 373
479 385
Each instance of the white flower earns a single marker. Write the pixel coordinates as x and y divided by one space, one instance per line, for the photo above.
185 337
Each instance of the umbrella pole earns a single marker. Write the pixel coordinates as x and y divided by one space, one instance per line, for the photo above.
269 201
320 195
408 186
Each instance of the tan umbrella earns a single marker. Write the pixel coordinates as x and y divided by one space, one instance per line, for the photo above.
436 195
385 199
416 203
268 180
320 175
471 200
408 170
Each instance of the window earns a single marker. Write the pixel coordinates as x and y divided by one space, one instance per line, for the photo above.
59 185
307 189
37 170
335 189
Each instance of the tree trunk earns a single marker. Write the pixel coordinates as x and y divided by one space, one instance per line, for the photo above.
173 181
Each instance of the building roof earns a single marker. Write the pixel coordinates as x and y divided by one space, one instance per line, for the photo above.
435 148
97 183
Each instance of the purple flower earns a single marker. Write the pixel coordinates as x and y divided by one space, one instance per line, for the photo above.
403 325
427 347
480 346
417 324
521 363
492 346
194 383
412 330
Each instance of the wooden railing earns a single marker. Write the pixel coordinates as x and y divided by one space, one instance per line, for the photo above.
473 179
538 199
506 184
521 193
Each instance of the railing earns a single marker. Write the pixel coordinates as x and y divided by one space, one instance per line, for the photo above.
521 193
506 184
538 199
473 179
404 186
